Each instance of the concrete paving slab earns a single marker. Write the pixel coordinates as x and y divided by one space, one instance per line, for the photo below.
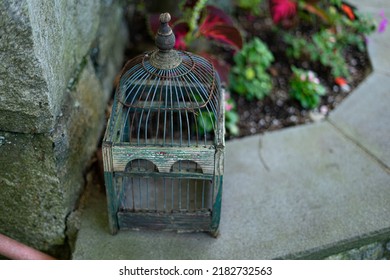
378 44
304 192
362 4
364 116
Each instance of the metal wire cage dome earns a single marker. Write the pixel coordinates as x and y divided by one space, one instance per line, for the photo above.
160 102
164 143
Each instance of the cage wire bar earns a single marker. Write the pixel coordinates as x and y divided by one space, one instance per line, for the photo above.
164 143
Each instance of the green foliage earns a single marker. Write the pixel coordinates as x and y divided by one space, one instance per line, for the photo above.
306 88
354 32
206 121
231 116
337 30
251 5
195 15
323 48
336 3
249 77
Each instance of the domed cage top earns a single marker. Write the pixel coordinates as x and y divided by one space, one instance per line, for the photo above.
163 147
167 106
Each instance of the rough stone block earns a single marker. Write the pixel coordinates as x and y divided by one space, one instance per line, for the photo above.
42 44
72 51
42 174
107 49
24 98
373 251
31 200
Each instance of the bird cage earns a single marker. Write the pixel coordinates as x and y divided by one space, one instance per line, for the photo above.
163 149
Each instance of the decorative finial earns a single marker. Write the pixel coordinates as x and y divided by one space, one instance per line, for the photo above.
165 57
165 39
165 18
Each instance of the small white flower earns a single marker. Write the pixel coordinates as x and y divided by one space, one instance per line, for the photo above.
324 110
311 75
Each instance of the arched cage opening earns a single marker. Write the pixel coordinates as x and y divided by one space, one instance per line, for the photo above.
142 188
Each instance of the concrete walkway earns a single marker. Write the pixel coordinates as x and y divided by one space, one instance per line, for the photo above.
303 192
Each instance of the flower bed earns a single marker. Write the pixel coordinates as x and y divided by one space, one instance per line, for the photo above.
284 62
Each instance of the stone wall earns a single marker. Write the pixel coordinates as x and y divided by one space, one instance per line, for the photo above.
373 251
58 62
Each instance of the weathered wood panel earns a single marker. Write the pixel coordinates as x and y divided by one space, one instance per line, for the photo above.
112 203
107 156
216 216
164 157
181 175
200 221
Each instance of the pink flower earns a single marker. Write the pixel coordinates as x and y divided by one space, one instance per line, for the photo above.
228 107
383 23
283 9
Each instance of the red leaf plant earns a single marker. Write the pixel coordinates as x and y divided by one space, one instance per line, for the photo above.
214 25
218 26
180 30
283 10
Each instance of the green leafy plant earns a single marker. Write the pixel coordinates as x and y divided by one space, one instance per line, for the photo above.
248 76
231 115
323 47
253 6
206 121
354 32
338 26
306 88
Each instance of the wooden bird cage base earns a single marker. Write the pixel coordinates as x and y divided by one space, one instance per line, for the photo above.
164 194
174 221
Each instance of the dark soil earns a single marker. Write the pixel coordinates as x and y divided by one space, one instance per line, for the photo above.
277 110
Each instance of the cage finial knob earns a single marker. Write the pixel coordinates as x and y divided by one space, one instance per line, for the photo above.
165 18
165 57
165 39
